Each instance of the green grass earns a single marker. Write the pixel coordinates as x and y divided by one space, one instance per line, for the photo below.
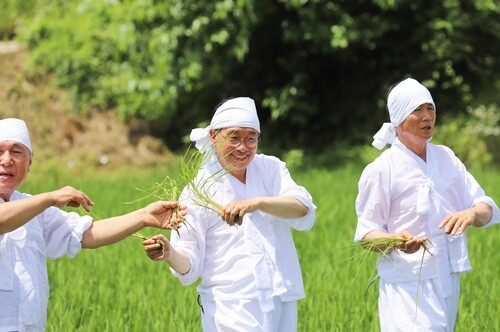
117 288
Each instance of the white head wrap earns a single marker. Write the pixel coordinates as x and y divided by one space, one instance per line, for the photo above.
236 112
403 99
12 129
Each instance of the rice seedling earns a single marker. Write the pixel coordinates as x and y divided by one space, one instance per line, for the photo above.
382 246
167 189
200 187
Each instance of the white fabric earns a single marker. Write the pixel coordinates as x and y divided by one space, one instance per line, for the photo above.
424 309
389 189
12 129
256 260
221 316
403 99
24 286
236 112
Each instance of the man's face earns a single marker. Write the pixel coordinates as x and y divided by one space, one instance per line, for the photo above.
15 160
236 147
419 125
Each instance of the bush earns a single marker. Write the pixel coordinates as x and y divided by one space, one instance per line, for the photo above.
473 137
12 14
318 68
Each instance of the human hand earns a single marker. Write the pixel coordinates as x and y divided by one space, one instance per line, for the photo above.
69 196
412 243
457 222
233 212
157 247
165 214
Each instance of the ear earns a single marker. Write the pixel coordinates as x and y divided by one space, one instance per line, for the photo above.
213 132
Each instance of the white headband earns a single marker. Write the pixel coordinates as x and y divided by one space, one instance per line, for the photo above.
403 99
12 129
236 112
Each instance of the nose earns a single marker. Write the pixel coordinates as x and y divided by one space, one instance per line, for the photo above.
242 145
6 159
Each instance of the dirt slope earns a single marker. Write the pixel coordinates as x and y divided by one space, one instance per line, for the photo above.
61 133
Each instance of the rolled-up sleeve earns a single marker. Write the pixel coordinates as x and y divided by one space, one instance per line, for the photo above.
191 240
285 185
473 194
63 232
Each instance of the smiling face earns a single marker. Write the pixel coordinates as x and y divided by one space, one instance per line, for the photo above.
417 128
236 147
15 160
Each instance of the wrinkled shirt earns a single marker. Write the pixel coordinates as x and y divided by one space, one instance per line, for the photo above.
24 287
399 191
256 260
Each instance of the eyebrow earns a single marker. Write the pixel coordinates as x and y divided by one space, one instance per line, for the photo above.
239 131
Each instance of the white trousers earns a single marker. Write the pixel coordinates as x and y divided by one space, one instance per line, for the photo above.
401 308
247 316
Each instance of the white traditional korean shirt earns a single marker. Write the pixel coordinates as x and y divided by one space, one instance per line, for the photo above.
399 191
24 287
256 260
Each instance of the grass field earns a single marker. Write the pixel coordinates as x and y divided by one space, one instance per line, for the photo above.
117 288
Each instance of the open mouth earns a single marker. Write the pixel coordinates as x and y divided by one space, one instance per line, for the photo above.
6 174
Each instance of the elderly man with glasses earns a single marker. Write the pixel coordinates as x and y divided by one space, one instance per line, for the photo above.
245 255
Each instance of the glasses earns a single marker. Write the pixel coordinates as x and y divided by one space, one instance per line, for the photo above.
234 141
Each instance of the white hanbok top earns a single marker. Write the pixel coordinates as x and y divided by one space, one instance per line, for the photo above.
24 287
399 191
256 260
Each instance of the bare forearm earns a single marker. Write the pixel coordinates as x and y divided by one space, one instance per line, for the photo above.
179 261
287 207
483 214
15 214
112 230
376 234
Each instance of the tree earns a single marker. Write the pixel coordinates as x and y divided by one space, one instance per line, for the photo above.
321 69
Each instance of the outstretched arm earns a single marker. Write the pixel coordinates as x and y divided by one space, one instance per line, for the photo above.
14 214
160 214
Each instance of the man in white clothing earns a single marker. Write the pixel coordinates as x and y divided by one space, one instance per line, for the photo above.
420 192
33 229
245 256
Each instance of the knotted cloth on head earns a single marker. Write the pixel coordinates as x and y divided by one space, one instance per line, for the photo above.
12 129
236 112
403 99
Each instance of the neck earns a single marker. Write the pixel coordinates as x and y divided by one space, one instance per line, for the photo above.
418 147
5 197
241 175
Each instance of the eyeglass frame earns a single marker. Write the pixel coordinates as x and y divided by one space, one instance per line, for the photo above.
240 140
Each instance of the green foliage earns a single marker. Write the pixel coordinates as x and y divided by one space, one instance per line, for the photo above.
318 68
474 138
141 57
13 13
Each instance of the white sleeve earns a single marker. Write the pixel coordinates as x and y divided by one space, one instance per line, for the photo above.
285 185
63 232
191 240
372 202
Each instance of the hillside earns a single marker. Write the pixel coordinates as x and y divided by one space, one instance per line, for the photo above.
62 134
